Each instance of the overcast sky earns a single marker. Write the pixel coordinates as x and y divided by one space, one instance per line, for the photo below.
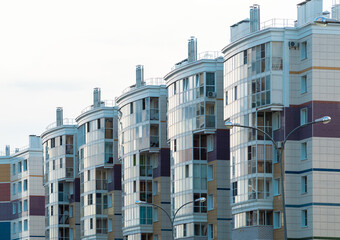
53 53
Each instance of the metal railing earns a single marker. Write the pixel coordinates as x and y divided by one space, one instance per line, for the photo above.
204 55
66 121
105 103
147 82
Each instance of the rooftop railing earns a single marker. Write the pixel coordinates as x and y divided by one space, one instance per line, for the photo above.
105 103
16 150
66 121
200 56
147 82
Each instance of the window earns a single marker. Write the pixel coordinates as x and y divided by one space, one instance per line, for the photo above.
175 88
61 140
88 127
235 93
276 121
109 227
175 145
277 185
304 218
25 205
131 108
98 123
19 167
25 165
109 200
155 214
155 237
52 142
155 187
210 143
134 159
184 230
303 84
210 172
91 223
303 151
14 228
53 164
134 186
186 171
210 202
61 163
25 225
303 116
304 184
303 51
143 104
226 98
88 175
13 188
14 208
277 220
19 187
51 187
211 231
20 227
19 207
90 199
185 84
25 185
71 211
13 169
51 210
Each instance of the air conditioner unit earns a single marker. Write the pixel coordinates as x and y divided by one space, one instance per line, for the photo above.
293 44
211 94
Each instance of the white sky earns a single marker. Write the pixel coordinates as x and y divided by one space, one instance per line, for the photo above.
53 53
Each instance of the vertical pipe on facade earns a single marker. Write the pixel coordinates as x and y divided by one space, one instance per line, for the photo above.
59 116
8 150
139 75
192 49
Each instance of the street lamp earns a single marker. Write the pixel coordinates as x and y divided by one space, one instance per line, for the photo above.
229 125
172 219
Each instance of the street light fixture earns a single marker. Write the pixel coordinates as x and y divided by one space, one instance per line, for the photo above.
172 219
326 119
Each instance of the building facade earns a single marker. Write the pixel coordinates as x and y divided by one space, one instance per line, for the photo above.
277 76
100 170
144 153
199 146
61 180
22 192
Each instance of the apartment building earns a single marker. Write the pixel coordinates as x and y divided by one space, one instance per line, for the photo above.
144 153
99 170
22 192
61 180
199 145
279 75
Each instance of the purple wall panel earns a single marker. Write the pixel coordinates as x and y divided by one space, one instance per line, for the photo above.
5 211
163 169
37 205
290 119
116 176
76 190
221 146
5 192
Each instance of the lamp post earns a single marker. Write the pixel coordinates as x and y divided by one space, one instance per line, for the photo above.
279 150
172 219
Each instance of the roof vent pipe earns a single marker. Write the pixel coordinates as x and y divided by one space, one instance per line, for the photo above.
192 49
59 116
254 18
96 97
8 150
139 75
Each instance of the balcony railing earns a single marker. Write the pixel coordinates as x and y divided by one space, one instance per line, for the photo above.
105 103
66 121
204 55
147 82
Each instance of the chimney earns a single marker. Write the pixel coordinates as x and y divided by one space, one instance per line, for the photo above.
34 141
59 116
96 97
16 150
8 150
139 75
192 49
254 18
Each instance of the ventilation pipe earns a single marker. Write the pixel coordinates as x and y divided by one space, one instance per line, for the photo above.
254 18
192 49
8 150
96 97
59 116
139 75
